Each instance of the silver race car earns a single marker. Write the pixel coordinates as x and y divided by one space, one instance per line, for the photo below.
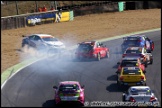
42 41
140 94
141 52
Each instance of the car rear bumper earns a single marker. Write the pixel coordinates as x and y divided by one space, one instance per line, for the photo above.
132 83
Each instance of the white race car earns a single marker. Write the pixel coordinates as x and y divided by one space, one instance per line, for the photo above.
42 41
139 94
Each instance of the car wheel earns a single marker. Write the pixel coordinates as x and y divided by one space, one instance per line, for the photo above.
152 47
23 45
123 98
146 64
98 57
118 83
144 84
144 71
151 61
107 54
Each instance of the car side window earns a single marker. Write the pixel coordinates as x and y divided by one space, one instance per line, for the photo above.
98 44
147 39
31 37
37 38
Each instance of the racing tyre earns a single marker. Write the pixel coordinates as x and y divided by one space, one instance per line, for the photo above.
107 54
152 46
123 98
144 84
146 64
118 83
98 57
151 61
23 45
144 71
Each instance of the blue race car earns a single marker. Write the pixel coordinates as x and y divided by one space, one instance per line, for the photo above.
137 41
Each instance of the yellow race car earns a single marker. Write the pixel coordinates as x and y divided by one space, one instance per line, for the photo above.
131 76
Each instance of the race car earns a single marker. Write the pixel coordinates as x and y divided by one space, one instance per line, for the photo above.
131 76
131 62
91 49
140 94
69 92
42 42
141 52
138 41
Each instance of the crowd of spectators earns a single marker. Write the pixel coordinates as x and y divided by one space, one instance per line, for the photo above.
44 9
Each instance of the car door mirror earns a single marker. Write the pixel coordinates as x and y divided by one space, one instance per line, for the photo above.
152 91
23 35
118 63
55 87
101 44
148 51
82 86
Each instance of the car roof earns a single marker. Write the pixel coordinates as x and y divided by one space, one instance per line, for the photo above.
69 82
43 35
136 35
88 42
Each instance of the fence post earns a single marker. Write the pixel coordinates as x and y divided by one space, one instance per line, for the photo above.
36 6
55 5
17 8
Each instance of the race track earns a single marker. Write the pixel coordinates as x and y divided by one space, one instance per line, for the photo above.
32 87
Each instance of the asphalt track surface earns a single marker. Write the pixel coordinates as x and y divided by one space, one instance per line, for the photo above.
32 87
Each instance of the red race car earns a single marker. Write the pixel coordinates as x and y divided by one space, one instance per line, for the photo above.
91 49
69 92
131 62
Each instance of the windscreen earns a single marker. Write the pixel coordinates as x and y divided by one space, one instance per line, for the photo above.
127 71
131 42
138 91
128 63
85 47
69 87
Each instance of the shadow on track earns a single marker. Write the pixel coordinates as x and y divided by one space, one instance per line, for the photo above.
51 103
115 66
115 88
112 78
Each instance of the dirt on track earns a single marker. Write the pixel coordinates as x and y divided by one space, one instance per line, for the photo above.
88 27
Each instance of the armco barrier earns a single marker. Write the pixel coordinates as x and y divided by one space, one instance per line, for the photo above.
18 21
71 15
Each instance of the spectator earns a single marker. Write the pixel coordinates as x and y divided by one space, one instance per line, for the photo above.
52 8
44 9
39 9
